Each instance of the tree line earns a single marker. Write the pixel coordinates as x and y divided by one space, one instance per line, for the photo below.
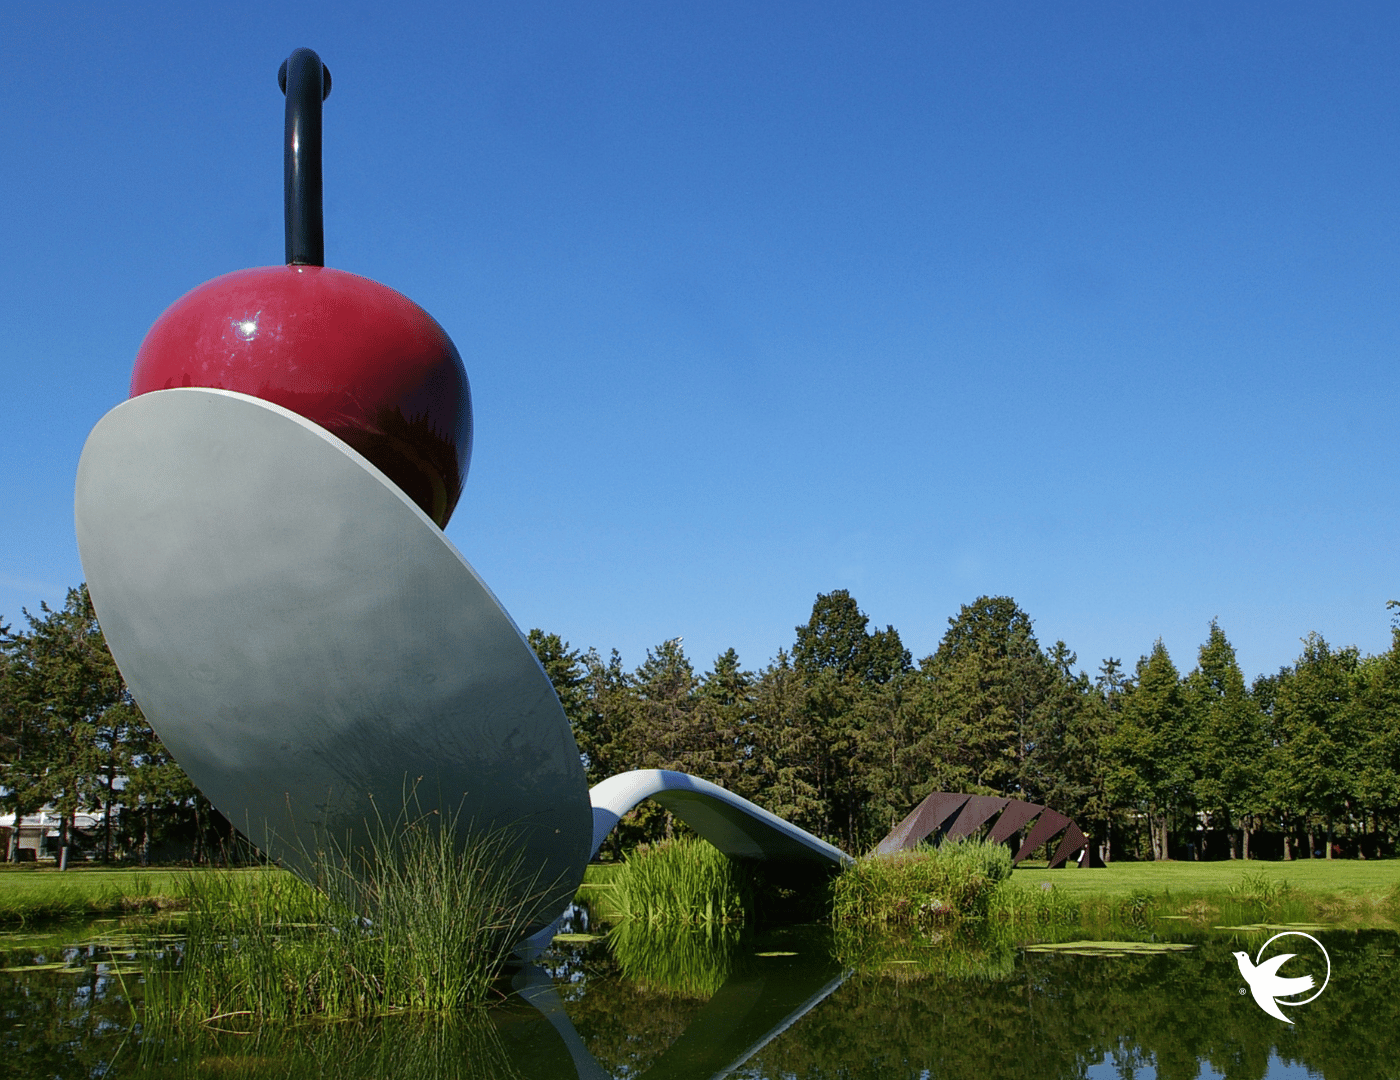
842 733
72 738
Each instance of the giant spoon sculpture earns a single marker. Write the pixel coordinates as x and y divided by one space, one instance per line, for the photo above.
260 526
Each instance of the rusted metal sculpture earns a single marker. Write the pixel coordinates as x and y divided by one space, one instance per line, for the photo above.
974 811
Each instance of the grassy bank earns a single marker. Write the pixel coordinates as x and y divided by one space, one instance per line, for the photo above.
1310 890
1375 877
975 881
33 894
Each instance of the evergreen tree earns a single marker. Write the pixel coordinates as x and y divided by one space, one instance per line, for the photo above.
1377 782
1064 767
842 665
724 702
1229 750
1149 752
1320 749
74 710
787 755
603 728
981 693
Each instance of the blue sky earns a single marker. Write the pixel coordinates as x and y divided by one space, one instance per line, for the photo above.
1093 305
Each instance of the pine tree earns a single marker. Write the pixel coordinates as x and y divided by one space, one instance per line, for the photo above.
1150 768
1229 751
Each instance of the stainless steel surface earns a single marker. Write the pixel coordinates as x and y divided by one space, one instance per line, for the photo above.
728 821
301 636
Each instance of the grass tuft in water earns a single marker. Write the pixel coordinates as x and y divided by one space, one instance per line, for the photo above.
424 920
683 881
928 885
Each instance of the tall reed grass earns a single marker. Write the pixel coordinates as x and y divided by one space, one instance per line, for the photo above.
683 881
424 919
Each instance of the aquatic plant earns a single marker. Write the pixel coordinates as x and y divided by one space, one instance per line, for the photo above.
1259 888
682 881
423 919
928 885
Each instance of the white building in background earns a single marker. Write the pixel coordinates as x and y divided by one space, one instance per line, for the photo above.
39 832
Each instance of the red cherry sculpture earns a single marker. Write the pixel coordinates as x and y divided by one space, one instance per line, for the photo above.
347 353
361 360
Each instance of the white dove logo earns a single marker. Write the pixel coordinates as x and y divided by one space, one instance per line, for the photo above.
1267 985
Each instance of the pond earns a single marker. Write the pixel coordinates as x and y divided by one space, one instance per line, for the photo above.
1167 1001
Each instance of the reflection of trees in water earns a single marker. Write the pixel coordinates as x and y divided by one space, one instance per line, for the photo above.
53 1024
1057 1014
963 1015
397 1048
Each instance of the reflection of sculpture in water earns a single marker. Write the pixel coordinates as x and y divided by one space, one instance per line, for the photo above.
736 992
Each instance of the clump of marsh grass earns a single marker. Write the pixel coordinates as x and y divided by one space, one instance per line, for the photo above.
683 881
423 919
1260 889
953 881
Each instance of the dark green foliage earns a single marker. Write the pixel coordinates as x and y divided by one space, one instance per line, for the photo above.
1230 745
1151 749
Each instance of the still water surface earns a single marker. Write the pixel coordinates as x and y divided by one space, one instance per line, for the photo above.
788 1004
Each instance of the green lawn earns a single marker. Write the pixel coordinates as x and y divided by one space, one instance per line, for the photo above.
1342 877
29 893
20 880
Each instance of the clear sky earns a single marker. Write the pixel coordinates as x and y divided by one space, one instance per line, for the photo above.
1089 304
